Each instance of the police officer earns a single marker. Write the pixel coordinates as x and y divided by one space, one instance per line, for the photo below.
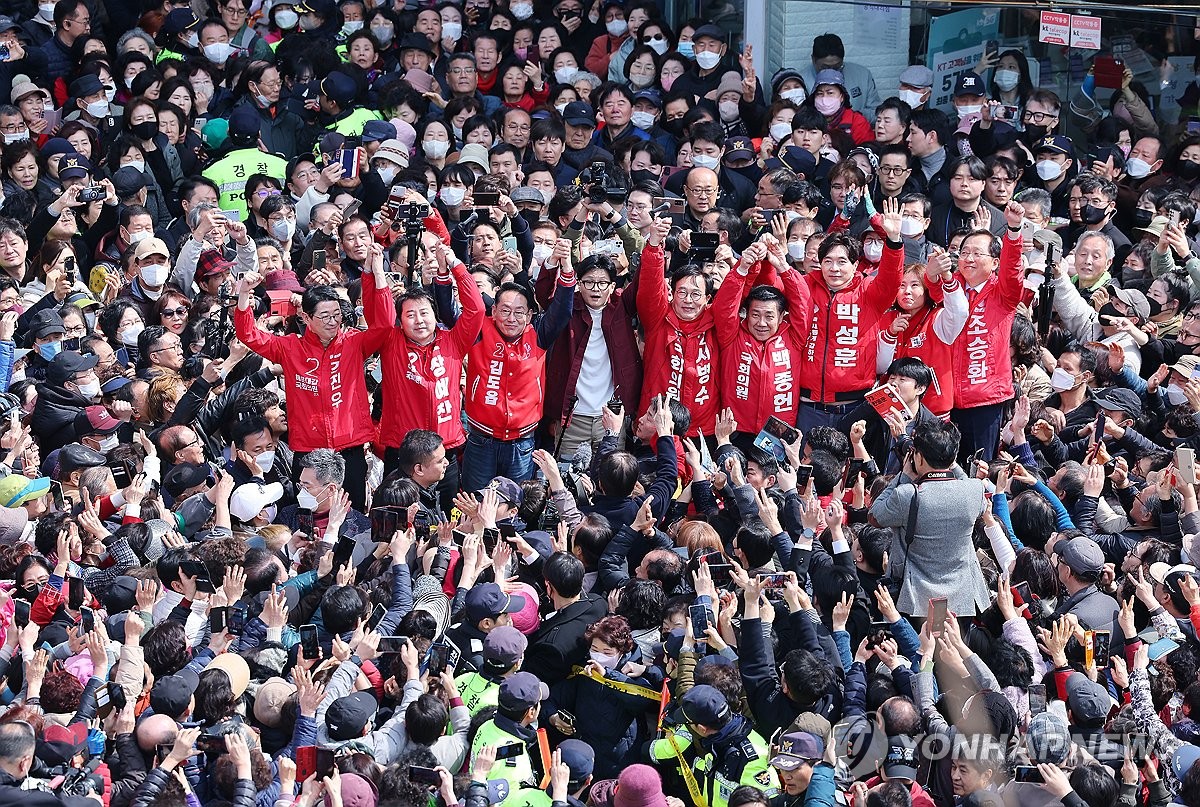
339 112
720 747
503 652
487 607
518 751
243 159
580 759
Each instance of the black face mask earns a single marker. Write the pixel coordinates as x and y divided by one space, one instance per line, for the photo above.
1188 170
643 175
531 216
1091 215
146 130
1109 310
673 127
1142 218
1035 133
1155 306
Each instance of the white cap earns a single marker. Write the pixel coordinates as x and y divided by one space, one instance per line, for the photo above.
249 500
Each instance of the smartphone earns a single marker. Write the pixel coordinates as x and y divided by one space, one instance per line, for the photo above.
309 643
510 750
342 551
318 261
325 763
56 494
419 775
348 159
508 531
1029 774
120 475
196 569
217 620
1185 464
69 270
1098 434
669 204
854 467
1101 640
705 243
1023 591
774 580
491 537
392 644
614 405
377 616
385 521
566 717
75 593
803 476
163 750
1005 112
699 616
235 620
486 199
351 209
232 215
1173 218
87 618
306 761
779 429
1037 698
1109 72
304 522
938 614
421 527
21 613
1193 125
439 657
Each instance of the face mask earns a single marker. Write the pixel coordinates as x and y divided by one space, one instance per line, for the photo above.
451 30
306 500
49 350
265 461
129 82
218 52
457 132
1109 310
140 165
1155 307
46 11
435 149
384 35
657 44
90 390
452 197
643 120
563 75
911 227
110 93
130 335
796 251
827 105
308 22
1090 214
352 26
705 161
781 131
1007 79
561 108
913 99
283 230
155 274
640 82
541 252
287 19
605 660
193 40
686 49
139 237
91 321
1175 395
107 444
873 251
98 109
796 95
707 59
1048 170
522 11
1137 168
728 110
1188 170
387 174
969 109
666 83
1036 258
616 27
19 137
1061 380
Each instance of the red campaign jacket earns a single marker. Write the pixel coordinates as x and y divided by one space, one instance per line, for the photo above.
326 388
421 383
839 357
982 365
921 341
506 381
681 358
759 379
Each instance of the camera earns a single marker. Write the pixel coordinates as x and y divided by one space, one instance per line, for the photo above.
599 186
93 193
218 332
411 220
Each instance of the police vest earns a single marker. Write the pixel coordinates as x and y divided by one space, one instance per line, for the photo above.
352 125
231 172
477 692
516 770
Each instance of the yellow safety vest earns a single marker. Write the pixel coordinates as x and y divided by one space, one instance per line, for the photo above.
231 172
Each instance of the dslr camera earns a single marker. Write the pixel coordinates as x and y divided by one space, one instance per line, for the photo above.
599 185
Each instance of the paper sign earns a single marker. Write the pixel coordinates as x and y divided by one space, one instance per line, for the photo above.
1055 29
1085 32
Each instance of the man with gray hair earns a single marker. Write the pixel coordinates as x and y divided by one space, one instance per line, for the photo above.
319 491
209 230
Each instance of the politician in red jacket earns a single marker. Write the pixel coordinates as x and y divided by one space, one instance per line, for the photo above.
506 377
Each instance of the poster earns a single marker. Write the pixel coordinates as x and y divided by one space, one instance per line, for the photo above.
957 42
1055 28
1085 32
881 25
1180 77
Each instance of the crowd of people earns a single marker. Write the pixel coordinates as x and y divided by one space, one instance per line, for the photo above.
521 403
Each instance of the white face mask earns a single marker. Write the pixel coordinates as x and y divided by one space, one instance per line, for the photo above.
1137 168
561 108
705 161
352 26
796 251
616 27
139 237
283 229
1007 79
307 500
130 335
1036 258
873 251
110 442
541 252
193 40
563 75
218 52
643 120
287 19
969 109
435 149
451 30
19 137
91 390
270 511
452 197
1048 170
728 110
1061 380
266 460
913 99
384 35
98 109
658 44
386 173
46 11
781 131
138 164
640 82
155 274
911 227
1175 395
796 95
522 11
605 660
707 59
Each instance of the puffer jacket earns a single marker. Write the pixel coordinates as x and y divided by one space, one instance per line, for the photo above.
53 420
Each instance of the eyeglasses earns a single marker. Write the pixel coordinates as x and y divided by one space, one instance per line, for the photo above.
1038 117
976 255
512 313
595 285
690 295
171 313
328 319
461 71
893 170
177 347
701 191
263 194
79 330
